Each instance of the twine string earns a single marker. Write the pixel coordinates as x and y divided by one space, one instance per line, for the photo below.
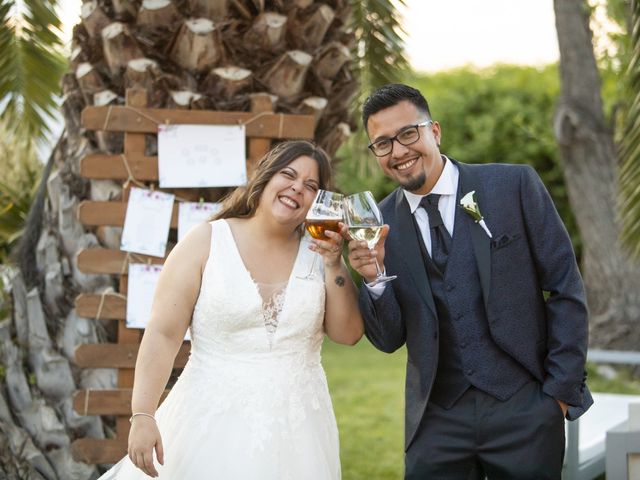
108 292
130 177
132 256
156 122
262 114
133 109
86 402
106 119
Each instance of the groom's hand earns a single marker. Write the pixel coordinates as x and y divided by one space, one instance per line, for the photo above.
363 260
564 407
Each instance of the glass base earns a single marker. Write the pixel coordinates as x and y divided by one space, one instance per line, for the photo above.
382 279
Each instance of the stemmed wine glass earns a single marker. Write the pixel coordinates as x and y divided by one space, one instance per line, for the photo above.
364 220
325 213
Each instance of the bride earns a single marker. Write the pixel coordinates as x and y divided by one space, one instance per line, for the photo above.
252 401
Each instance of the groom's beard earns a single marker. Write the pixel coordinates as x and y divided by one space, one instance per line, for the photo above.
415 183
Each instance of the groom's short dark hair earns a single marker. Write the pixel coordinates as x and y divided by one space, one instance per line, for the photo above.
390 95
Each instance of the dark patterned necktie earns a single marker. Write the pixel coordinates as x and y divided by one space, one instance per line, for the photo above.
440 237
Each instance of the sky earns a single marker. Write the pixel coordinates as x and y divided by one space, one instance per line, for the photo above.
452 33
447 34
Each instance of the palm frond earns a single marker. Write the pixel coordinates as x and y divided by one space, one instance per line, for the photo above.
30 65
381 59
629 175
380 42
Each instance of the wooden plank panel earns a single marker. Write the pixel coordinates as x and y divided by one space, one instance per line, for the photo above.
98 166
110 213
114 355
98 450
113 307
104 260
146 120
105 402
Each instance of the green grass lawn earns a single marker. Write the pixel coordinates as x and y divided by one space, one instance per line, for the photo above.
367 388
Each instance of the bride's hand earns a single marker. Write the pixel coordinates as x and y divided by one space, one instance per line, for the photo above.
331 247
144 436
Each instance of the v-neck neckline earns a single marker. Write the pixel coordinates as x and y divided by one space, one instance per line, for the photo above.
271 338
244 265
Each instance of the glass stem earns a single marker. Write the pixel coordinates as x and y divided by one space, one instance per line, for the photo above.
313 265
378 271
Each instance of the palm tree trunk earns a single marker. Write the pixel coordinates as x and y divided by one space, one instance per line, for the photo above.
211 54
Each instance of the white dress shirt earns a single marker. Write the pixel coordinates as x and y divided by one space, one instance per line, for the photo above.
447 188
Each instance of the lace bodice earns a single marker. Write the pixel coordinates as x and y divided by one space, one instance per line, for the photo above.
233 316
273 295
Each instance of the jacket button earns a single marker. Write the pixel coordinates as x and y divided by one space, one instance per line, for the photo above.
463 345
470 371
458 315
449 287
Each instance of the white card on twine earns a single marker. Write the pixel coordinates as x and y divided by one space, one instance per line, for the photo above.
147 222
192 156
191 214
140 289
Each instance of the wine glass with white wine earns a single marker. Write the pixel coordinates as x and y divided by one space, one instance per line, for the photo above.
364 220
324 214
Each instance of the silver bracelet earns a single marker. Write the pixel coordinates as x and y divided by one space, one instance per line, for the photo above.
143 414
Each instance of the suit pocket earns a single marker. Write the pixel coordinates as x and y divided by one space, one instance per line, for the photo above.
504 240
553 406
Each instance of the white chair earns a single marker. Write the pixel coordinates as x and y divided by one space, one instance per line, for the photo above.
586 452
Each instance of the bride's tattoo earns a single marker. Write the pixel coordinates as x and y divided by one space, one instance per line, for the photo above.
339 281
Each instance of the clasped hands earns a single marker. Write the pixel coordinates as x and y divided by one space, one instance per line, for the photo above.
361 258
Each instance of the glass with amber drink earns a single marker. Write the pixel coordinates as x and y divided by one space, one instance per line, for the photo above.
324 214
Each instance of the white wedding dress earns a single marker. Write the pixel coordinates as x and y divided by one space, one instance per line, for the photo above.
252 403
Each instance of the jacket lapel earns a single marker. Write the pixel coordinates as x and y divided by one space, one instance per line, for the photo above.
481 241
411 250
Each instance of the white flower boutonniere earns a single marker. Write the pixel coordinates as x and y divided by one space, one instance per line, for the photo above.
470 205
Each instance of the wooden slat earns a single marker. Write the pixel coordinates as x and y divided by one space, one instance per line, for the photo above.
105 402
104 260
98 166
98 450
113 307
110 213
134 140
258 146
126 336
146 120
114 355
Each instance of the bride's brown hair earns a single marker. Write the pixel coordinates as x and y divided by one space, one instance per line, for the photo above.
243 201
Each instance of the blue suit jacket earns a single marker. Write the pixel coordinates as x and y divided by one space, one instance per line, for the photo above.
532 289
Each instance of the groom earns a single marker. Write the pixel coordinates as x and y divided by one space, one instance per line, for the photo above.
492 312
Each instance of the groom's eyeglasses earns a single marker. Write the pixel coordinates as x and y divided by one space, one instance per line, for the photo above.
405 137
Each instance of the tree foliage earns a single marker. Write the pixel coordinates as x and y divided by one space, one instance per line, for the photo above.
31 64
20 172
